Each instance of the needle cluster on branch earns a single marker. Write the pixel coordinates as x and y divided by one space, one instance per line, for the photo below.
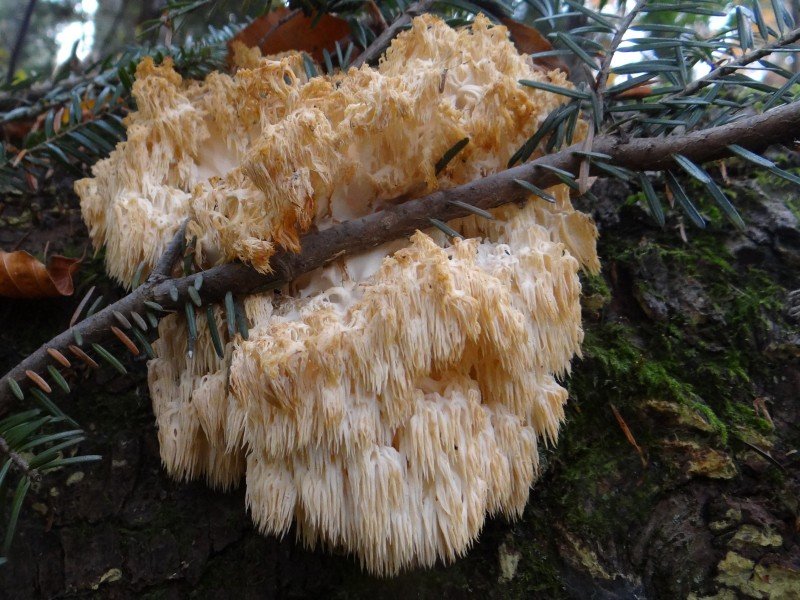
318 248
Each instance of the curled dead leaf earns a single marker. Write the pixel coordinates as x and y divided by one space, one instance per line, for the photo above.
24 276
528 40
282 30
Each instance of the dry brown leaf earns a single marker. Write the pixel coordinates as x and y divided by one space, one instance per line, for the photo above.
529 41
281 31
24 276
15 131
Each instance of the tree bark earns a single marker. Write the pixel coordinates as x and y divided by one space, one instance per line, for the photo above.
691 343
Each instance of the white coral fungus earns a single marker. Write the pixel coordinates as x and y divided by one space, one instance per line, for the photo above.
387 403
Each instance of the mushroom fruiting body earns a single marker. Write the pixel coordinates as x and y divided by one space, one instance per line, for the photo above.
390 401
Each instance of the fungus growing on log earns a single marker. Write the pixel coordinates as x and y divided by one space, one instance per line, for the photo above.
387 403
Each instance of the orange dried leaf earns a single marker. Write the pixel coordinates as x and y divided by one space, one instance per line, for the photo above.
280 31
528 40
24 276
87 107
16 131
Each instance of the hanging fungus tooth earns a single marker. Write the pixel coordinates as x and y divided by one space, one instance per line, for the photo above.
390 401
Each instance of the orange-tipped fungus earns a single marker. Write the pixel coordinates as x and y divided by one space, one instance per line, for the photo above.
389 402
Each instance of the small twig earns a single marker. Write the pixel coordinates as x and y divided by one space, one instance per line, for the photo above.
115 27
20 42
174 250
376 16
21 240
605 66
321 247
698 84
376 48
763 453
284 19
628 433
20 463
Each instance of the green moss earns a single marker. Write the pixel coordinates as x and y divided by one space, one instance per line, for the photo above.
706 359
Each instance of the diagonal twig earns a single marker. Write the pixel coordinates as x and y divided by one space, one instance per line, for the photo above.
283 20
789 38
605 66
175 248
321 247
20 41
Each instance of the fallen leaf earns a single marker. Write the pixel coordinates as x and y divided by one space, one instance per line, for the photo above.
24 276
528 40
282 30
15 131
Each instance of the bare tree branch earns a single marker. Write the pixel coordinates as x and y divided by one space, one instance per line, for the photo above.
283 20
755 133
171 254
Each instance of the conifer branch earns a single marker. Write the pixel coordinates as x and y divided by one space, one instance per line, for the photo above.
605 66
319 248
750 57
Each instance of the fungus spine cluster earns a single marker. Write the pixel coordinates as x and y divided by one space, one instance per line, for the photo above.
387 403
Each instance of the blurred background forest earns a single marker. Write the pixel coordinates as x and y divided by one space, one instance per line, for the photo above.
44 37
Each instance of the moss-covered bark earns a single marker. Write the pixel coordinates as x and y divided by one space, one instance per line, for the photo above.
690 343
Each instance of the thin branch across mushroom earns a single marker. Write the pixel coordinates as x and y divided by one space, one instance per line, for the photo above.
387 402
